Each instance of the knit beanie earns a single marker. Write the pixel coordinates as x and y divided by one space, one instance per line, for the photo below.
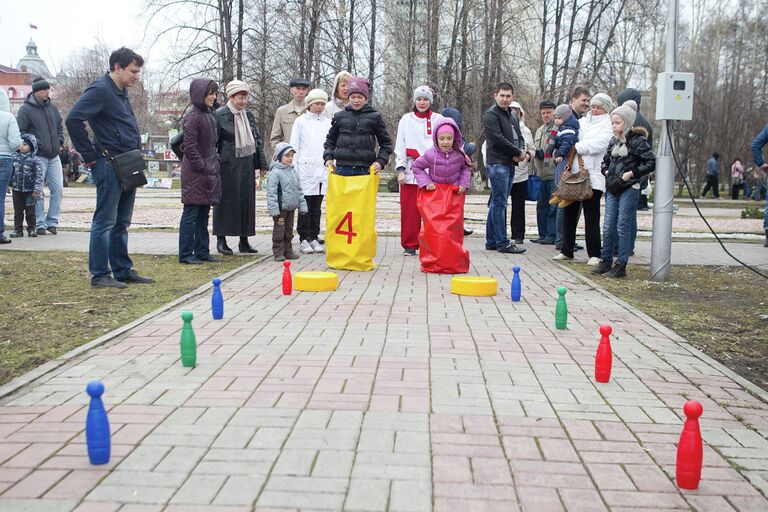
39 84
314 96
423 91
281 149
563 111
603 100
627 112
357 85
236 86
446 128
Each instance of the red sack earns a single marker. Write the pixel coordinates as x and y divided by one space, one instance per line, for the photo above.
441 238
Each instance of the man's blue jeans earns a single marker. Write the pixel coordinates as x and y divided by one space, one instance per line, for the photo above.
108 251
546 213
54 178
501 177
617 224
6 169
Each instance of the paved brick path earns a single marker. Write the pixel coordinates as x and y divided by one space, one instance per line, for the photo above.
388 394
149 242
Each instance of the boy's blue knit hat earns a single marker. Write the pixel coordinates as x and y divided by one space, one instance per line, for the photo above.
281 149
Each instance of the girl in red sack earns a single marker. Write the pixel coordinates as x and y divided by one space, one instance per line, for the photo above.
443 176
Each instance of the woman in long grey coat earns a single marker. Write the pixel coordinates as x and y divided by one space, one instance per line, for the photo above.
241 151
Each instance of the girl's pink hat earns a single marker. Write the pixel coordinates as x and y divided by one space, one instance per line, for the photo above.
445 128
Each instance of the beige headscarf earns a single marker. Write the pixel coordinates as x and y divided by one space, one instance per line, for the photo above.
245 144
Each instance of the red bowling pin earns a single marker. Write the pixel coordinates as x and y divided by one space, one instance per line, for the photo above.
604 356
689 451
287 279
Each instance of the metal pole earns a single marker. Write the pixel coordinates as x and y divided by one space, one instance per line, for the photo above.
661 241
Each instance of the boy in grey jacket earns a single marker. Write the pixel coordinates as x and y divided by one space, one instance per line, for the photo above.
284 196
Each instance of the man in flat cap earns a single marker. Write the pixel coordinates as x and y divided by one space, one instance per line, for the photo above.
287 114
40 117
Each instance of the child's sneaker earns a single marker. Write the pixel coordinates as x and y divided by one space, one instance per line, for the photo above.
31 233
409 252
316 247
305 248
17 234
290 255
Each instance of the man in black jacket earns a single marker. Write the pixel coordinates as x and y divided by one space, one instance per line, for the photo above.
40 117
504 150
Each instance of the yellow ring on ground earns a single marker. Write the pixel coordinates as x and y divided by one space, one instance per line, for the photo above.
315 281
474 286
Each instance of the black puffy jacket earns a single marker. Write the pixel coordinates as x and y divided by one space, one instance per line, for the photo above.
353 135
640 160
502 132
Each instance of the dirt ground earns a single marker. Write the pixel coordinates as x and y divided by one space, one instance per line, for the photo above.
722 311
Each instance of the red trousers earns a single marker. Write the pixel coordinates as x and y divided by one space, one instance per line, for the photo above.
410 220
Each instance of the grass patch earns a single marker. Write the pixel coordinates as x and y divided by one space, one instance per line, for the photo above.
47 306
719 310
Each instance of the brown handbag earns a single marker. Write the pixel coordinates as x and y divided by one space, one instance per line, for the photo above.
574 186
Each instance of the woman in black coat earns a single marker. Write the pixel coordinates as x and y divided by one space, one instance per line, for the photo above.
240 147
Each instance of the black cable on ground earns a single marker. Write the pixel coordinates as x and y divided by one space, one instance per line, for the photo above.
693 200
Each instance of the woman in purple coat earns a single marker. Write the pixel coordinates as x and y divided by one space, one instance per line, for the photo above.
200 177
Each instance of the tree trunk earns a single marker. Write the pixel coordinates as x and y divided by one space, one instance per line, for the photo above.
240 12
372 46
351 48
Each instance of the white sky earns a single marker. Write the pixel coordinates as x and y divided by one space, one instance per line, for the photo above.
64 26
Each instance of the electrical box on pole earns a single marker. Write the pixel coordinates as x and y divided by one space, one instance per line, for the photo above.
674 96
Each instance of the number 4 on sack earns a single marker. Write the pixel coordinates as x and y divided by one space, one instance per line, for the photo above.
349 233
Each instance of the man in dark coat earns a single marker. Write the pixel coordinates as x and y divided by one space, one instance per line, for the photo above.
40 117
505 149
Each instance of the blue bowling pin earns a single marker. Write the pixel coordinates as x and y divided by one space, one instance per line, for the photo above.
515 290
217 300
97 435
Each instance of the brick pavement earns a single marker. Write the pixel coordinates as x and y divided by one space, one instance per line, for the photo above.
388 394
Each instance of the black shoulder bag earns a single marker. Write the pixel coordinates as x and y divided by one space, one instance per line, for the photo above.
129 168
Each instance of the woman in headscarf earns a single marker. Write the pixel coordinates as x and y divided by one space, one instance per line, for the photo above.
241 150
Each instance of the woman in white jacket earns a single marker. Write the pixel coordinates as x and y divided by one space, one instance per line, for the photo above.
308 138
414 138
595 134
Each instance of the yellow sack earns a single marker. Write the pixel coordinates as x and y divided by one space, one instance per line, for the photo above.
350 222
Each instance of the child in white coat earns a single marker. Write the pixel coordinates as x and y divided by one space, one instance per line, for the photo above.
308 137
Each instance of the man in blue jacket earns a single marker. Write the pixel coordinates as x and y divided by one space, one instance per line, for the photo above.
713 175
107 108
757 155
